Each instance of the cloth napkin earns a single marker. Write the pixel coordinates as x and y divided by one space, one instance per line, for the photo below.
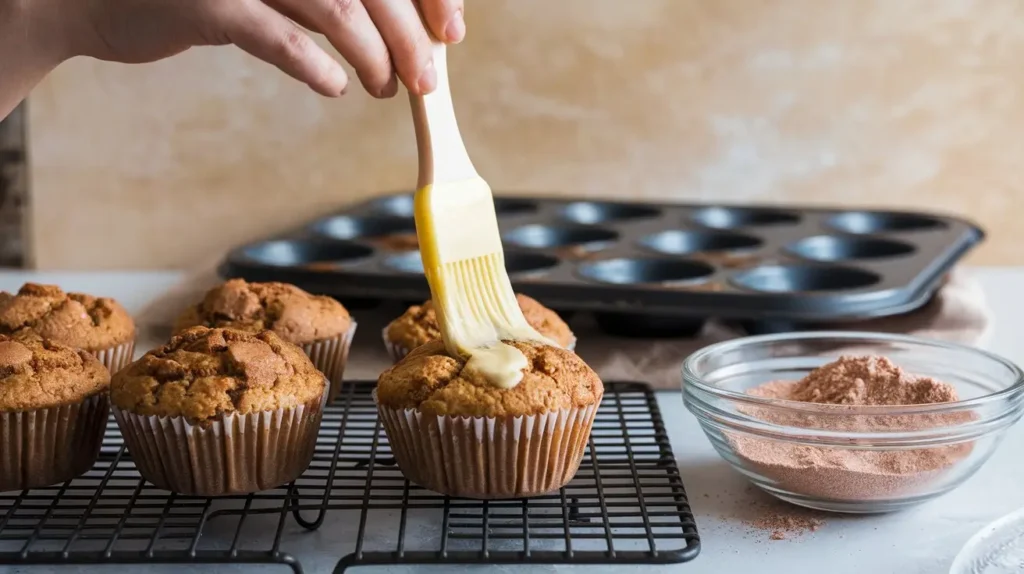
957 313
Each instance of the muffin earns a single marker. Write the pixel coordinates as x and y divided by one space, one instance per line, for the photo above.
320 325
418 326
219 411
53 412
455 433
97 324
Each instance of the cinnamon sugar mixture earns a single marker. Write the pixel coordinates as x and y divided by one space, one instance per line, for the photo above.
868 381
846 473
785 525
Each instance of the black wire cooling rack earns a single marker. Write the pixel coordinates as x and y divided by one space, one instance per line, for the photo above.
626 505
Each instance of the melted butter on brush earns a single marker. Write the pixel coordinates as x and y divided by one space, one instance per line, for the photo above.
476 307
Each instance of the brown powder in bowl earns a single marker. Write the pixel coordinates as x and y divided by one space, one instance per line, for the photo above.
846 473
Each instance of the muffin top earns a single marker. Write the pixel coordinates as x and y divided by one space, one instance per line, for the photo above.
203 373
37 373
74 319
297 316
418 325
430 380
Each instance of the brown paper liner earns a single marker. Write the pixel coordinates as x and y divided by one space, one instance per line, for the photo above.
234 454
48 446
398 352
489 457
117 357
329 357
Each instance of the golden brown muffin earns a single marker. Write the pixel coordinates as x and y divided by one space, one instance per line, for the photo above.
455 433
53 411
295 315
219 411
320 325
429 380
206 373
418 325
37 374
97 324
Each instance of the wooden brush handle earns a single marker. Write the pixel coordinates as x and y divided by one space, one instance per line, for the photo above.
442 153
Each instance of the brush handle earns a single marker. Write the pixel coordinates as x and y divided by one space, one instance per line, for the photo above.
442 153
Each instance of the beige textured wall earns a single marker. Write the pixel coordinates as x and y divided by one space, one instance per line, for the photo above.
909 103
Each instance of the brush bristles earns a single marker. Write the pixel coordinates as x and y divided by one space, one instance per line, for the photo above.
480 299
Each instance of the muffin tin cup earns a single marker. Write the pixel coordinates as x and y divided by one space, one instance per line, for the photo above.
330 356
51 445
233 454
117 357
489 457
398 352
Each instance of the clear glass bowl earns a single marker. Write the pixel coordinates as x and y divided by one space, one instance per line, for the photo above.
858 459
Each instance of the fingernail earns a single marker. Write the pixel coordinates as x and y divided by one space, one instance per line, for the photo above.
428 79
455 31
390 88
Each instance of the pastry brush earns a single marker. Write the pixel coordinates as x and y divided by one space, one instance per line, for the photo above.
460 244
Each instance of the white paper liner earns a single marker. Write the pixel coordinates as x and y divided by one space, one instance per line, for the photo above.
118 357
489 457
329 356
234 454
398 352
51 445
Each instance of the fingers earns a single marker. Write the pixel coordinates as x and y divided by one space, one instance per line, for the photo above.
266 34
402 29
444 18
347 25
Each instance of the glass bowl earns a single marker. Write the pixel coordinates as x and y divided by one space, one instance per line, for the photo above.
846 458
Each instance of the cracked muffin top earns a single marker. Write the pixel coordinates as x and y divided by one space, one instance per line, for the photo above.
74 319
418 325
36 373
430 380
203 373
295 315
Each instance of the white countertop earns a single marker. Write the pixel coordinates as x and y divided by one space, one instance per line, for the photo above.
922 540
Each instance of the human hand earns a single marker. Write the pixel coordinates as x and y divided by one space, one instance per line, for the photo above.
384 40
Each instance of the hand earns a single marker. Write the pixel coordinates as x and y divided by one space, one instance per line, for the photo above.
379 38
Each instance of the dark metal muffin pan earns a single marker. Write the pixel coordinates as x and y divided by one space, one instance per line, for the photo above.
644 269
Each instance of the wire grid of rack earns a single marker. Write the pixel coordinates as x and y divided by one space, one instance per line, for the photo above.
625 505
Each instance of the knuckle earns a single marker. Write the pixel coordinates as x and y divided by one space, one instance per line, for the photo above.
341 11
294 44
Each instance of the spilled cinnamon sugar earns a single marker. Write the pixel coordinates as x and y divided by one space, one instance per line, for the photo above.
770 519
783 526
846 473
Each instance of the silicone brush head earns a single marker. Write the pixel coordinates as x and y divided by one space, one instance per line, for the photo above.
465 266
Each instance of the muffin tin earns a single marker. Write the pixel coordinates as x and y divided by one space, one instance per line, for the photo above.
644 268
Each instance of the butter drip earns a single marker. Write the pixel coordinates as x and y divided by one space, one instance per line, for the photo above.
473 325
473 298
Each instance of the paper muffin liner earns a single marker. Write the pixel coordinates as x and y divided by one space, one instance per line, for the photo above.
489 457
329 357
117 357
398 352
234 454
51 445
